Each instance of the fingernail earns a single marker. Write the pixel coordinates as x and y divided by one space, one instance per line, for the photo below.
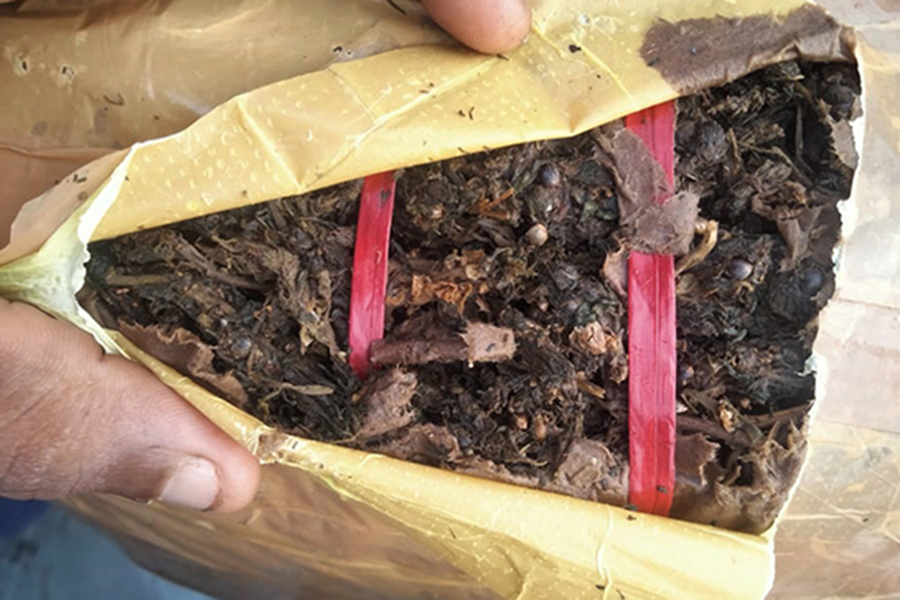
194 484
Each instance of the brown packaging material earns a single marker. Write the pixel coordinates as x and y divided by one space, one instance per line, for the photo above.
332 522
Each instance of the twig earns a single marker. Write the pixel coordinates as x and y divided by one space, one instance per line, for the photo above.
418 352
710 232
115 279
787 159
193 255
713 430
775 417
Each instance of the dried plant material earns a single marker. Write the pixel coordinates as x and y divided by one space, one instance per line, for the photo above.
798 232
479 343
649 226
730 45
388 403
590 471
765 474
488 343
507 277
842 144
589 387
615 272
453 281
418 352
187 354
727 416
664 228
592 339
641 180
305 296
692 455
428 443
710 232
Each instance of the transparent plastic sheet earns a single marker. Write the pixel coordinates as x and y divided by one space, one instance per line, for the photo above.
840 534
333 522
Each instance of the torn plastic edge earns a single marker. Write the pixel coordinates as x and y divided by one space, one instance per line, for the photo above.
652 368
368 286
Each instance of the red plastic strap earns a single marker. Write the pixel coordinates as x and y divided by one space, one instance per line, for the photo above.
656 126
651 342
370 268
651 381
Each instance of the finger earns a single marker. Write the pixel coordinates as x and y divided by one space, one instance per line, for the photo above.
74 420
489 26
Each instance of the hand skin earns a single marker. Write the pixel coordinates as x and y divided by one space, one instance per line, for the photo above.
74 420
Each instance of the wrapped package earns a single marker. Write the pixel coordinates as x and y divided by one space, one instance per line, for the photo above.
203 127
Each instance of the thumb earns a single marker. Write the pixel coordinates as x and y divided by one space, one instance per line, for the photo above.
489 26
74 420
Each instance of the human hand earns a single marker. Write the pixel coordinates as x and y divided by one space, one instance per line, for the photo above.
489 26
74 420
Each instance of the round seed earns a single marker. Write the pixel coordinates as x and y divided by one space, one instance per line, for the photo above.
537 236
549 176
812 281
740 268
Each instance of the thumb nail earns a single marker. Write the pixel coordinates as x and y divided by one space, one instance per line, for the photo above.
194 484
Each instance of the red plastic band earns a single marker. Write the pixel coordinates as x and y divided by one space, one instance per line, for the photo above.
370 268
656 126
651 342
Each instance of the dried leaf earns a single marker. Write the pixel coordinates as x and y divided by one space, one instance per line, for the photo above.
615 272
592 339
590 471
388 402
692 455
842 144
640 178
187 354
489 343
800 234
428 443
665 228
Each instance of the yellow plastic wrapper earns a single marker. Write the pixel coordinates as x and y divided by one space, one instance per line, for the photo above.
334 522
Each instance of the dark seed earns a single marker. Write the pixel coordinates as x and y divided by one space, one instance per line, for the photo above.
549 176
662 489
812 281
685 373
241 348
740 268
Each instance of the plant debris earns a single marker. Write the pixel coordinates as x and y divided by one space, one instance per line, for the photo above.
505 352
